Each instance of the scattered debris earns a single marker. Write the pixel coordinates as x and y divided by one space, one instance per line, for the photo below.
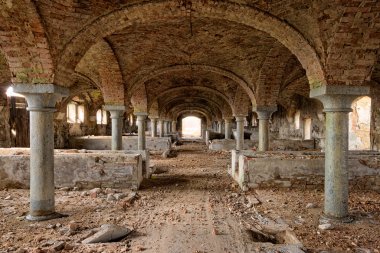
107 233
326 226
311 205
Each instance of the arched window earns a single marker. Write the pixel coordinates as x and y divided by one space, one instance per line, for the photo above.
307 129
75 113
101 117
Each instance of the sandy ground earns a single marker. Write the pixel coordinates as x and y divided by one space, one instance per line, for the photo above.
192 206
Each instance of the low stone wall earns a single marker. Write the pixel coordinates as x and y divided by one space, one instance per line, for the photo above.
86 170
300 169
147 169
153 144
276 145
228 145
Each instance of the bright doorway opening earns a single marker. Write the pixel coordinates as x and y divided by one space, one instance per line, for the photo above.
191 127
360 124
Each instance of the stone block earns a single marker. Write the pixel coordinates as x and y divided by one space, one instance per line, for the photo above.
85 170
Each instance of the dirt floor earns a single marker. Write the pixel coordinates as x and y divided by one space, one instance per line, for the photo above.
192 205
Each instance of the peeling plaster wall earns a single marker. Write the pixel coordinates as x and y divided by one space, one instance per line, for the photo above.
360 124
283 125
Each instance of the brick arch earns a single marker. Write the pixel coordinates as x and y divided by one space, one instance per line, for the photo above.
189 113
197 113
271 76
217 101
139 100
104 62
139 80
202 111
26 48
153 109
228 104
241 103
163 10
354 46
211 107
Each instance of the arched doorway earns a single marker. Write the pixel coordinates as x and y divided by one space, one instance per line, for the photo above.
191 127
360 124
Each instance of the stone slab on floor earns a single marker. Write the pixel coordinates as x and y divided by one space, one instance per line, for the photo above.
300 169
86 170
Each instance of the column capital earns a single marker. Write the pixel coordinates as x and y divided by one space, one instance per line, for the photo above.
116 111
240 118
41 97
141 116
338 98
109 107
264 112
140 113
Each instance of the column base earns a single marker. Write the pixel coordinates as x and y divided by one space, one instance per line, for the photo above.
51 216
333 220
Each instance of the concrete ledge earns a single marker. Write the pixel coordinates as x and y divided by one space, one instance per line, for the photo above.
300 169
86 170
154 145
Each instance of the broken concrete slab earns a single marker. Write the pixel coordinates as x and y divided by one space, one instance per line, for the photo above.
108 233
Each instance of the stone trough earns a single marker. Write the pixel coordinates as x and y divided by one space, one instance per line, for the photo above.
85 169
300 169
275 144
156 145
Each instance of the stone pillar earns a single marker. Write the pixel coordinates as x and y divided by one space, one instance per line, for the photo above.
219 126
167 127
164 130
117 112
337 102
141 140
263 115
153 126
161 127
174 126
41 101
227 128
207 137
239 132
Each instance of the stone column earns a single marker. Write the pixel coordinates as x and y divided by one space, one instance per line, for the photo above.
161 127
227 128
174 126
239 132
141 143
153 124
41 101
207 136
263 115
167 128
219 126
117 112
337 102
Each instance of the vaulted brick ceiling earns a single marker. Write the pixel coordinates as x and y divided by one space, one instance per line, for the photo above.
270 50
